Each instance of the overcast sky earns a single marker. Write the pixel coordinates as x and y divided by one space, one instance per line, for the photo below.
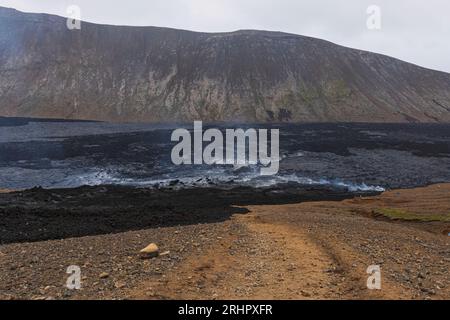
417 31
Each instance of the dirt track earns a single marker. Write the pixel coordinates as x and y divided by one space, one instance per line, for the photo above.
314 250
320 250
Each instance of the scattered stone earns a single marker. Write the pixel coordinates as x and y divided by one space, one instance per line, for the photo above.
39 298
104 275
119 285
305 293
151 251
429 291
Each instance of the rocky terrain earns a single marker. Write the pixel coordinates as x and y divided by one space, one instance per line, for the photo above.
151 74
307 250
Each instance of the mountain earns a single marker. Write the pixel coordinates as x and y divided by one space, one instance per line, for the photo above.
121 73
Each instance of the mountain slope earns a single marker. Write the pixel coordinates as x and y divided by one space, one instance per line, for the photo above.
154 74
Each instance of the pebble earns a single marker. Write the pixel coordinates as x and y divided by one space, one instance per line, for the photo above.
305 293
119 285
151 251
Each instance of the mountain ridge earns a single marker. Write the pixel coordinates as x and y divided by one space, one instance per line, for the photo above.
223 33
154 74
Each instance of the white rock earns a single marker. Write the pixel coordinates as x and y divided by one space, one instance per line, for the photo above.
151 251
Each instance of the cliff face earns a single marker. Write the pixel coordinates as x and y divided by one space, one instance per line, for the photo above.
155 74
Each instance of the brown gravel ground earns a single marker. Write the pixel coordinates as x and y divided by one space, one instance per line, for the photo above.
309 250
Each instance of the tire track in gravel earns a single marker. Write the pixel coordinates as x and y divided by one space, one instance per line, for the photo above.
267 260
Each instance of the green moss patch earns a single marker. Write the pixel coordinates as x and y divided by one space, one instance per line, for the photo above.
401 214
